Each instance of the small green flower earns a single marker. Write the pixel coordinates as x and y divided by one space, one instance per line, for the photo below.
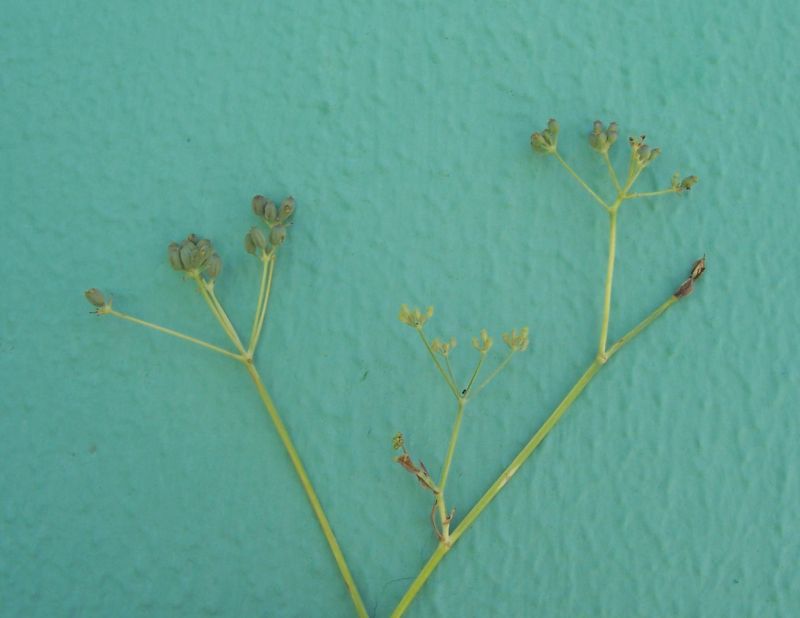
415 318
437 345
518 342
484 343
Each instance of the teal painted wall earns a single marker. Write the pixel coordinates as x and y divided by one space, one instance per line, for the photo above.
141 477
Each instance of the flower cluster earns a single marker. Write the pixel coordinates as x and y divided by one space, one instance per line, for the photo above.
437 345
482 343
414 318
517 342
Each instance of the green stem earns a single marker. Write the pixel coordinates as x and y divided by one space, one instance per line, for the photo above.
475 373
654 315
612 172
612 250
174 333
450 383
216 310
444 516
631 196
580 180
309 489
222 317
451 448
264 304
231 330
495 373
449 366
264 271
442 549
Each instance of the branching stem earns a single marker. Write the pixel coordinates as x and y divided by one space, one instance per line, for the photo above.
580 180
632 196
258 321
450 383
612 251
309 490
174 333
490 494
612 172
496 372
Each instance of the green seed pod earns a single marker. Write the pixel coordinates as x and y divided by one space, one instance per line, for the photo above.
213 266
204 251
249 245
553 127
612 133
258 238
187 253
278 235
270 212
643 153
259 203
174 255
597 127
287 209
539 144
95 297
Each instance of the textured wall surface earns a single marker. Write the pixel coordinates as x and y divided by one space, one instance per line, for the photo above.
140 475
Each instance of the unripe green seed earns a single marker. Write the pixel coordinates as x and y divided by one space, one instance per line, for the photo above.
259 204
258 238
249 245
287 209
612 133
174 255
213 266
95 297
270 212
204 250
187 252
539 144
278 235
